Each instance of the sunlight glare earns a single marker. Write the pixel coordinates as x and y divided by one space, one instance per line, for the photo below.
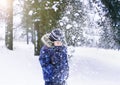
3 4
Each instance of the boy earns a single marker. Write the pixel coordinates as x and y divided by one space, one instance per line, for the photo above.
53 59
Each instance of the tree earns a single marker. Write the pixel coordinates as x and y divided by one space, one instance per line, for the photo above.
37 43
113 12
27 19
41 16
9 27
46 14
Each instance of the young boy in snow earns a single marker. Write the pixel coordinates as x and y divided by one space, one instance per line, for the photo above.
53 59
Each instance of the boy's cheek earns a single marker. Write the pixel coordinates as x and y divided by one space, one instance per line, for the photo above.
57 43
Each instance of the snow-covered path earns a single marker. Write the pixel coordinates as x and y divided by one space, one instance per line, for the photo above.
89 66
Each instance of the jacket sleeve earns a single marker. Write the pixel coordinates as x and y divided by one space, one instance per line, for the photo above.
45 61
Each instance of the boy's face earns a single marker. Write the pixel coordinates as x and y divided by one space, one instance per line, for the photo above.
57 43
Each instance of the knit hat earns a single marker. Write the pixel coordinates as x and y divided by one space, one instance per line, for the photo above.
56 35
49 38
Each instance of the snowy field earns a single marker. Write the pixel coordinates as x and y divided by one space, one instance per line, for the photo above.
89 66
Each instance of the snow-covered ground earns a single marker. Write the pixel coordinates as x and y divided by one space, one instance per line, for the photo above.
88 66
93 66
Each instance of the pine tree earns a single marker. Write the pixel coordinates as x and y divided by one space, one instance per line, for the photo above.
46 14
44 17
113 12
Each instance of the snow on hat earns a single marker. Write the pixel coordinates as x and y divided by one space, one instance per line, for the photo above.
56 35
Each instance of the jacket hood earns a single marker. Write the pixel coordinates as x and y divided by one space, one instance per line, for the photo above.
46 41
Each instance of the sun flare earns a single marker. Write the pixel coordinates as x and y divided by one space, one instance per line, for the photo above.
3 4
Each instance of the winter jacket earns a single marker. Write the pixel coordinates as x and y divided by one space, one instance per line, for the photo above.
54 63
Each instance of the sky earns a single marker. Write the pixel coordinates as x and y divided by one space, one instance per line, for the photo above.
88 66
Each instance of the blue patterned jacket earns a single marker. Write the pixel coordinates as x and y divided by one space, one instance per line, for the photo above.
54 63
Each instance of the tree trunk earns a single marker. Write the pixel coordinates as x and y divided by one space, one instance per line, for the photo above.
9 26
37 44
27 34
33 34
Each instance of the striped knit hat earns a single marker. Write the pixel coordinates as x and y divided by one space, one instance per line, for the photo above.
56 35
